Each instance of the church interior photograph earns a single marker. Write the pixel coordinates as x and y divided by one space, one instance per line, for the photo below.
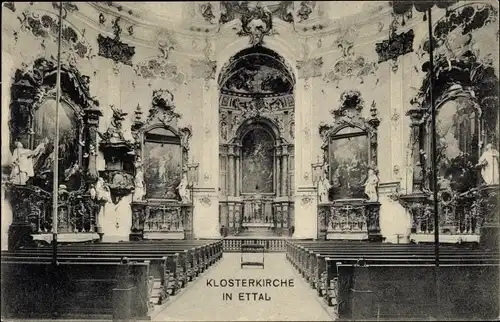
250 160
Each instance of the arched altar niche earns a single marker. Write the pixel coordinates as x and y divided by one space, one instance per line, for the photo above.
162 200
466 101
348 184
256 122
30 175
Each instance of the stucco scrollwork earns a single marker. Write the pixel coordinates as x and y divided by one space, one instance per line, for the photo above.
349 65
44 25
159 66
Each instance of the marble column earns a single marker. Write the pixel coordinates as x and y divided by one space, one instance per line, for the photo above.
284 172
231 178
237 160
278 172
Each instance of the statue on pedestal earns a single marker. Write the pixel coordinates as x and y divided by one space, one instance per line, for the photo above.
324 186
488 162
139 190
371 185
183 189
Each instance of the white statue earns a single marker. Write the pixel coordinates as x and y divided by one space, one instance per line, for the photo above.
183 189
323 188
489 165
22 164
371 186
139 190
102 190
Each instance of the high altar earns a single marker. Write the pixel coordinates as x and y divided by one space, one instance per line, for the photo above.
249 120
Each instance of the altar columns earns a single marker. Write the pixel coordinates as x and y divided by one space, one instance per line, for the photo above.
237 180
278 171
232 178
284 171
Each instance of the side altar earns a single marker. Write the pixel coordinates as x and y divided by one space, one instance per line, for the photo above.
347 178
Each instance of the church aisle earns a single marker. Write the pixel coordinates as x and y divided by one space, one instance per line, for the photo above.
201 302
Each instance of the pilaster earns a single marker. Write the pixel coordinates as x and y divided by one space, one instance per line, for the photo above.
205 213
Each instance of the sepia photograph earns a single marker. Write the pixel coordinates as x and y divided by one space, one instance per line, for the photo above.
250 161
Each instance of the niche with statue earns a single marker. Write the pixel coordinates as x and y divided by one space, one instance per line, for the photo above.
162 198
347 179
29 176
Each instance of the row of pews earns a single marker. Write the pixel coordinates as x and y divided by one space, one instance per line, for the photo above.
375 281
126 280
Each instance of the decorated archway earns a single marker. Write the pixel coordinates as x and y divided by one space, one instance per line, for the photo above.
256 123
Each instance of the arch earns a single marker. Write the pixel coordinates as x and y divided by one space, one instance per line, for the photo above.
274 43
254 122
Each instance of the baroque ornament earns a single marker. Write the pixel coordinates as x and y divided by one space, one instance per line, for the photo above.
397 45
256 17
45 26
349 65
113 48
160 67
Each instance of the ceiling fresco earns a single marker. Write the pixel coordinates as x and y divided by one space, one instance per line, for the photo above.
256 71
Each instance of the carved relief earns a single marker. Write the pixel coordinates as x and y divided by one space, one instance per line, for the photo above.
231 10
113 48
10 5
207 12
305 9
349 65
45 25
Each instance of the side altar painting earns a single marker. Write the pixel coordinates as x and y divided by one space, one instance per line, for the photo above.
348 176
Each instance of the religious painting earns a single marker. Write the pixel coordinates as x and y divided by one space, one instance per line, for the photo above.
349 161
457 128
44 132
257 162
162 166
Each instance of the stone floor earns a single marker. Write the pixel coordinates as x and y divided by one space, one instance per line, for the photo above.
200 302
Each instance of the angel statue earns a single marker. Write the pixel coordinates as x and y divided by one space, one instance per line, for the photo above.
183 189
488 162
139 190
371 185
102 191
324 186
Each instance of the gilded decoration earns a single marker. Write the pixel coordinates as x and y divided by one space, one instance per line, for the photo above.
32 127
113 48
349 65
466 100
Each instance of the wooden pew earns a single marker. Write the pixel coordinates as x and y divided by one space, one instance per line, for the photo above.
179 266
189 264
75 289
409 291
